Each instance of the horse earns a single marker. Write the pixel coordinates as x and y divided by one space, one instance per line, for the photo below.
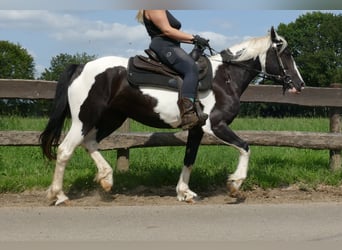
99 98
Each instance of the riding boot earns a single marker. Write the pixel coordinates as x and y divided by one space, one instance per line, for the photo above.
201 115
188 113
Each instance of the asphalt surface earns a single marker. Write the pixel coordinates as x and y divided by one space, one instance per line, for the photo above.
314 222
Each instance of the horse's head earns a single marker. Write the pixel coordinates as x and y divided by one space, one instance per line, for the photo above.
281 66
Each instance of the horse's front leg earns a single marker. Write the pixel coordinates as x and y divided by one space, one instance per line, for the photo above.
194 139
236 179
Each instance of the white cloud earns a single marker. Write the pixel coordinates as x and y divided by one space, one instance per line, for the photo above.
72 29
58 5
31 19
219 41
68 28
99 30
58 32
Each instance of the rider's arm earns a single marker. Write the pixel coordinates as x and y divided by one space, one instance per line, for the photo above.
159 18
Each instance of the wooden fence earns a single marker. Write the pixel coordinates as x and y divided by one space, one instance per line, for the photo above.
123 140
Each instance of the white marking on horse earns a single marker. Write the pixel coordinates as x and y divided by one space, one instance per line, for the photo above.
166 105
296 68
183 191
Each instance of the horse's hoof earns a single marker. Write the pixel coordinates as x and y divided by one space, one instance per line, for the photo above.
57 198
63 202
189 200
187 196
233 187
106 185
237 199
62 199
50 195
193 200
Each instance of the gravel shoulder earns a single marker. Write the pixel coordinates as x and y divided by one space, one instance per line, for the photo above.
166 196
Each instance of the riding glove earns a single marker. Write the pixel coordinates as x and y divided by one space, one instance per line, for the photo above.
200 41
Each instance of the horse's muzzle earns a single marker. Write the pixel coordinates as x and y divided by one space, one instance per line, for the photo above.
294 89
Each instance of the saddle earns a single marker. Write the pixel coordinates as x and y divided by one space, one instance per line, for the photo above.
148 71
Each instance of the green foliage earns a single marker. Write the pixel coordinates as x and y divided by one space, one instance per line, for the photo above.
316 42
15 62
61 61
281 110
36 107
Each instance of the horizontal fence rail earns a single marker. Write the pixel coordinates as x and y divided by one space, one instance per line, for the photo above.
122 140
309 140
310 96
27 89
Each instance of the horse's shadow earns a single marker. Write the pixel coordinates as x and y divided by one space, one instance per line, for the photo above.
77 192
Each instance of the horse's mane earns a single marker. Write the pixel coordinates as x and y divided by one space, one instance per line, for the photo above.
253 47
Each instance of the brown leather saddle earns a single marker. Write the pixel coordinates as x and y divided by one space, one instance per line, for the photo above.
150 72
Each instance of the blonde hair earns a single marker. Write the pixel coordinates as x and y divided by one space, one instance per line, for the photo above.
140 16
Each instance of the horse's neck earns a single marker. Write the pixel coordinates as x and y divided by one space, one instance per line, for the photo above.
237 75
245 67
245 72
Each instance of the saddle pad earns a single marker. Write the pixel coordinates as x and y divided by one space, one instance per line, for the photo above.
142 77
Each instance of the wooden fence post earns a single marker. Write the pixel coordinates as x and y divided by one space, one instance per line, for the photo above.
122 155
335 127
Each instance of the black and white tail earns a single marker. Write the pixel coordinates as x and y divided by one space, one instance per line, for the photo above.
52 132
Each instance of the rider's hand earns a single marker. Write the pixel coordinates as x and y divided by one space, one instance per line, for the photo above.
200 41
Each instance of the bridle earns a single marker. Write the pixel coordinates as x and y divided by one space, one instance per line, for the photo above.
282 78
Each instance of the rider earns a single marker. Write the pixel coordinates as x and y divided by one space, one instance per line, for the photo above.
166 36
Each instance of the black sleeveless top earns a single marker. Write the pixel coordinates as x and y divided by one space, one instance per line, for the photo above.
154 31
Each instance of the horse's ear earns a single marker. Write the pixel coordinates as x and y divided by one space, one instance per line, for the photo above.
274 35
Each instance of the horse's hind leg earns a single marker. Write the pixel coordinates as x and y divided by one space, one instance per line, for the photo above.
194 139
104 175
64 152
105 126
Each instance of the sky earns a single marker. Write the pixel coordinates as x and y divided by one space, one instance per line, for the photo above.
114 31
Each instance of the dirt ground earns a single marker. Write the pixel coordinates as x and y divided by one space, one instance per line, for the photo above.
166 196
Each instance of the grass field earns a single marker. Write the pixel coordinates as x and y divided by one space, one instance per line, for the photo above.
23 168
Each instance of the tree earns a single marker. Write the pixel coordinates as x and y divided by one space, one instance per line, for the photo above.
15 62
316 42
61 61
58 65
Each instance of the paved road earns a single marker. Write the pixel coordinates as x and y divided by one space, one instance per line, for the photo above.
289 222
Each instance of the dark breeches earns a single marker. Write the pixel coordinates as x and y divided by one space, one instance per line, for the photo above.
175 57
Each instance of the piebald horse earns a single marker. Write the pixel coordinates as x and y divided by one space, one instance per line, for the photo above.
99 99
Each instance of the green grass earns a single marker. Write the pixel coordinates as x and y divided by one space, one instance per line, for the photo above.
23 168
